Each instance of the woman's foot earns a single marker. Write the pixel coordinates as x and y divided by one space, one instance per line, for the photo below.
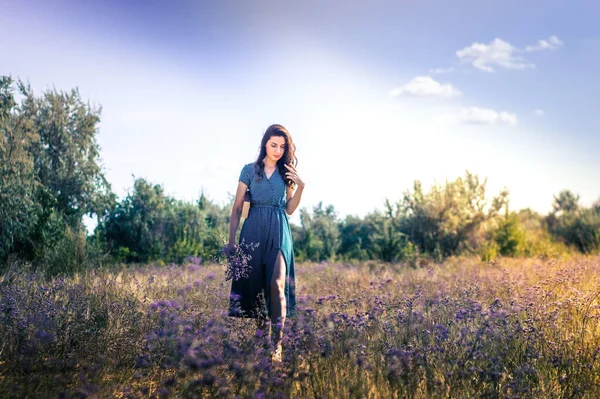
277 356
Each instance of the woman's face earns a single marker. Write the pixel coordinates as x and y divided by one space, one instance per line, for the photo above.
275 148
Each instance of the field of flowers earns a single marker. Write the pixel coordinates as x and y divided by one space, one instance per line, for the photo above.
511 328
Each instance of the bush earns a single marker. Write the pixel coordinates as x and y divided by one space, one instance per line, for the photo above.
509 236
574 225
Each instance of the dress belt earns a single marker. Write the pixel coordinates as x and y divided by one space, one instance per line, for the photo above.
275 206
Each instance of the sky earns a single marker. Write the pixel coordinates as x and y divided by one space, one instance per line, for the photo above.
375 94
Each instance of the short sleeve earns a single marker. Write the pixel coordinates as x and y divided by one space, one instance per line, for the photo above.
246 174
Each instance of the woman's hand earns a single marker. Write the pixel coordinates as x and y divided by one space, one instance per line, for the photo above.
292 174
228 250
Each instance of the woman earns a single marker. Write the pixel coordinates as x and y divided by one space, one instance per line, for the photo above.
275 188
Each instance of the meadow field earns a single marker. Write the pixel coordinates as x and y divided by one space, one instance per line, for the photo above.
511 328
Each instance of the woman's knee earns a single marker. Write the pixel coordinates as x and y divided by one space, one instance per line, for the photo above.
279 272
278 286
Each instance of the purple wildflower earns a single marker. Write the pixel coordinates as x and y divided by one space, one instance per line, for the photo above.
237 260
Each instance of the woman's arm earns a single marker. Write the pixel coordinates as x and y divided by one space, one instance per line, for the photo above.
293 199
236 212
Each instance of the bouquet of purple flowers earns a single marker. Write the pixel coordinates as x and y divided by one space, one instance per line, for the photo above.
237 258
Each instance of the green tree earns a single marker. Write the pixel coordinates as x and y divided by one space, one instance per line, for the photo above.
448 219
147 225
389 244
18 208
575 225
509 236
67 156
320 238
356 238
300 240
566 202
51 175
135 228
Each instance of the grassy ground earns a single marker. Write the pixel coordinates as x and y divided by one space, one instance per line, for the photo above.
512 328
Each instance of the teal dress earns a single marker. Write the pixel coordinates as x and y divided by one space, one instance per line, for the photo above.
266 225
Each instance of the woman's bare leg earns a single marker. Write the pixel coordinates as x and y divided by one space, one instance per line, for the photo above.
278 302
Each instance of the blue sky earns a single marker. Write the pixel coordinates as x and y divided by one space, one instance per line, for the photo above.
375 95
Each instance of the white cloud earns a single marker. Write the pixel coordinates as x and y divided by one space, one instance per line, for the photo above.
552 43
498 52
539 112
426 86
501 53
486 116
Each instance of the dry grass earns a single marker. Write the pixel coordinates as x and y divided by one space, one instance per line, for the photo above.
511 328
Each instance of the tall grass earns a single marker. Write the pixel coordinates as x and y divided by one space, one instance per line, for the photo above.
510 328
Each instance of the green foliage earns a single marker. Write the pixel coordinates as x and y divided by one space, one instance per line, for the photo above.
509 235
389 243
50 176
488 251
575 225
195 231
18 208
520 234
447 220
319 237
137 223
566 202
149 226
66 156
298 239
538 240
356 238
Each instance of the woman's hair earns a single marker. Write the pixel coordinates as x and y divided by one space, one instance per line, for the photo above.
289 156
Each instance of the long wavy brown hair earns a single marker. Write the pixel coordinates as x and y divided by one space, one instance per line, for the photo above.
289 156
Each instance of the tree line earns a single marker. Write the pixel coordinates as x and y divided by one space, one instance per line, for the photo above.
51 177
